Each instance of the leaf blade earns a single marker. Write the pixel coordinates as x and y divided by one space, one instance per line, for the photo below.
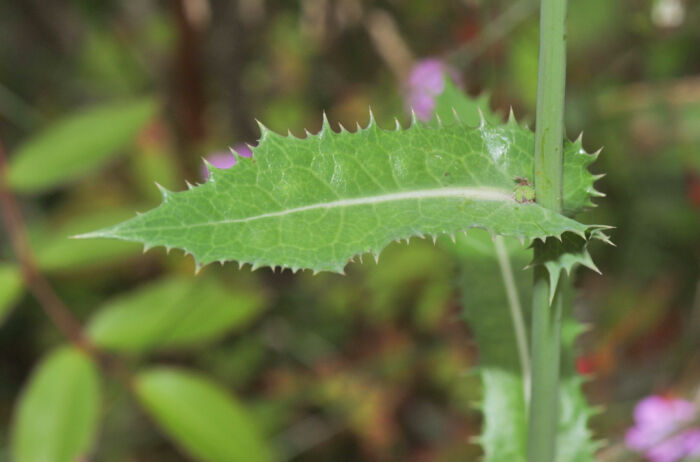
56 417
171 313
316 203
76 145
200 416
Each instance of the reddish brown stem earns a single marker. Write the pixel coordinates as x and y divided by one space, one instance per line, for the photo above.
40 288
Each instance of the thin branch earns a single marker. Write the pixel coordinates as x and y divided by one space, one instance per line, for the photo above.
494 31
516 311
389 43
52 305
40 288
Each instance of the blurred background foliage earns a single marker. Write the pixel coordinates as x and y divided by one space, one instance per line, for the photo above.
100 99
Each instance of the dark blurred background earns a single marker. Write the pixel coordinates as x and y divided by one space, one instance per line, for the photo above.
376 365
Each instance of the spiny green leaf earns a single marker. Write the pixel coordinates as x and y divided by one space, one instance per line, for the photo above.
578 182
559 256
575 442
171 313
318 202
469 110
10 287
504 435
56 417
76 145
200 416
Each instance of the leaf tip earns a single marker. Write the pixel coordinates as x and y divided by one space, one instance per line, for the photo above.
90 235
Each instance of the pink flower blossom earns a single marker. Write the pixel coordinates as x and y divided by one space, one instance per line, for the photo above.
658 431
224 159
425 83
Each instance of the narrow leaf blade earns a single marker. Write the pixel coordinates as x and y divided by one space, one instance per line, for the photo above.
470 111
76 145
57 414
175 312
200 417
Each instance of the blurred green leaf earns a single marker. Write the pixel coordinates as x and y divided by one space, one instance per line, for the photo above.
452 100
478 245
170 313
201 417
153 163
109 64
56 251
522 63
591 22
10 288
57 415
410 277
76 145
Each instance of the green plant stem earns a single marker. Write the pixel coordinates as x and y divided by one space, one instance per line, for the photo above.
516 312
549 131
546 318
544 394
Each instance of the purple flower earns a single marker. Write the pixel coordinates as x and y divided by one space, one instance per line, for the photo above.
224 159
425 83
658 430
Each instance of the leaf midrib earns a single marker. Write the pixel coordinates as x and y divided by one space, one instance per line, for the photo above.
473 193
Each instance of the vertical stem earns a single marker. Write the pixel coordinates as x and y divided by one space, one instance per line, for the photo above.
546 318
551 82
544 394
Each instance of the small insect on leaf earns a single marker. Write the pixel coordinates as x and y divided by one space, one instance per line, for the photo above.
524 192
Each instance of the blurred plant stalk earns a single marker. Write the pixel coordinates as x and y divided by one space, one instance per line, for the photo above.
35 281
50 302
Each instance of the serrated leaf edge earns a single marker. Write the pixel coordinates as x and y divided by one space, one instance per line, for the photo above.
265 133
